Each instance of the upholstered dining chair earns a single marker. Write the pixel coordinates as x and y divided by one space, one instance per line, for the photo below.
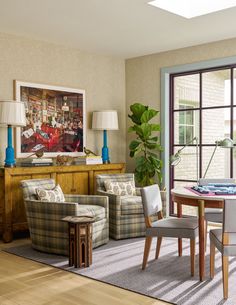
213 215
225 241
165 227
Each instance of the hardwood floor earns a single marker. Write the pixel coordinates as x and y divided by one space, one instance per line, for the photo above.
24 282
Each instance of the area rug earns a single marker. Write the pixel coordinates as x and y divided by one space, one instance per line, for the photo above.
168 278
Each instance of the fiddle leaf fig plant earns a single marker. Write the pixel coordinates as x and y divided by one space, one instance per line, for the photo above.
145 148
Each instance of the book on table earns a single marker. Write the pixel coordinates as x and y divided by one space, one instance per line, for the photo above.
88 160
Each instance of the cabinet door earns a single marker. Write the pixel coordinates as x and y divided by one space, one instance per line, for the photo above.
65 180
18 207
81 183
1 201
73 183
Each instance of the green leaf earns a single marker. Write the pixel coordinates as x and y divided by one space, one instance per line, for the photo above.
154 139
148 115
155 127
131 128
134 144
138 109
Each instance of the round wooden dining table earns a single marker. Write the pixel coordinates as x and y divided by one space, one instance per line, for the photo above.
185 196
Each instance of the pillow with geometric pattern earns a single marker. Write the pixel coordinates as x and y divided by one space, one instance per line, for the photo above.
120 188
53 195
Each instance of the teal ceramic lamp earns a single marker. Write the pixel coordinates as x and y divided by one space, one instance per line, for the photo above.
12 114
105 120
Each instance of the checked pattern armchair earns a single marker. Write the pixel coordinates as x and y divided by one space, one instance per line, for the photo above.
126 216
48 233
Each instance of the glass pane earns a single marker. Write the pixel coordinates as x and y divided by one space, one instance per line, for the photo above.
186 91
187 210
186 126
220 165
187 167
214 125
216 88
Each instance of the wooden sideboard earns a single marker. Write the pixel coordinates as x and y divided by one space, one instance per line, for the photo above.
73 179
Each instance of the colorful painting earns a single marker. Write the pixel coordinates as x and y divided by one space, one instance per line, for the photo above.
55 118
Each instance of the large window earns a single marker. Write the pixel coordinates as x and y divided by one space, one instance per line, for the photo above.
203 105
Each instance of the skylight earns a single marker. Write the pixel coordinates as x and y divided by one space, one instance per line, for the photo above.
193 8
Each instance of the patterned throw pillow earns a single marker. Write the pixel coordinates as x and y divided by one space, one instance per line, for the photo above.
120 188
53 195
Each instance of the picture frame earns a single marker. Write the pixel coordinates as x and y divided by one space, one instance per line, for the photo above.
55 120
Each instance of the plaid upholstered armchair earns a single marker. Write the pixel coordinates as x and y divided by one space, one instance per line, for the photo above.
126 217
50 234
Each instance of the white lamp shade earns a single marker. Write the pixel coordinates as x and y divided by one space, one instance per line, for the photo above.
12 113
105 120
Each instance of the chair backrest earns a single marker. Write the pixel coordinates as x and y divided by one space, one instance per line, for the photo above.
29 186
205 181
151 199
112 177
229 223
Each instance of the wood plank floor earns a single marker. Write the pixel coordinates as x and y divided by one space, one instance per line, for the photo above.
24 282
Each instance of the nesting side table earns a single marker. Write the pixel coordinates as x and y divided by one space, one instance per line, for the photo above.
80 240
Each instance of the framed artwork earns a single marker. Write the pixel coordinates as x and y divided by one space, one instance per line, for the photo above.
55 118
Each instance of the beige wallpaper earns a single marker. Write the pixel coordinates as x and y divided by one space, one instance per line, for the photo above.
143 73
102 78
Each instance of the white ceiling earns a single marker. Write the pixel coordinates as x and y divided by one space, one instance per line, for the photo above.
123 28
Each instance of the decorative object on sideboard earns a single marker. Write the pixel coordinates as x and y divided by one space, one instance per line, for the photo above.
55 120
105 120
175 159
12 114
64 160
89 152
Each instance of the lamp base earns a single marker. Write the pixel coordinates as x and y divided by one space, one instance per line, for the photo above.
106 162
10 165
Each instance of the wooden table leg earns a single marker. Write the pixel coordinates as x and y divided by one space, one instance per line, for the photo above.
179 214
201 222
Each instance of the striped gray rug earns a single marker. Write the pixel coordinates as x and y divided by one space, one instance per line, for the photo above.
119 263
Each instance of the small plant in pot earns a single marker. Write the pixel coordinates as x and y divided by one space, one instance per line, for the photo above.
145 149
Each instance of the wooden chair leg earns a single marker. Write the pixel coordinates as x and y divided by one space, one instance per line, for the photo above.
180 246
192 256
225 272
148 242
159 240
206 224
212 259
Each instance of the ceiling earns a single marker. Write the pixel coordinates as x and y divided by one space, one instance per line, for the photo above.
123 28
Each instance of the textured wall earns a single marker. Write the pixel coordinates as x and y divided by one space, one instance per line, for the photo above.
102 78
143 73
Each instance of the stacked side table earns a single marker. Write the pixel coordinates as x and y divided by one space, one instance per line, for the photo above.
80 240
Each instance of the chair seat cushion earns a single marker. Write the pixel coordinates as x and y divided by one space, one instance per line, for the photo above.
174 227
95 211
214 215
216 238
131 205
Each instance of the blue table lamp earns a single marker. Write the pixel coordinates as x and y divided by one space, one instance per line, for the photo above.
12 114
105 120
